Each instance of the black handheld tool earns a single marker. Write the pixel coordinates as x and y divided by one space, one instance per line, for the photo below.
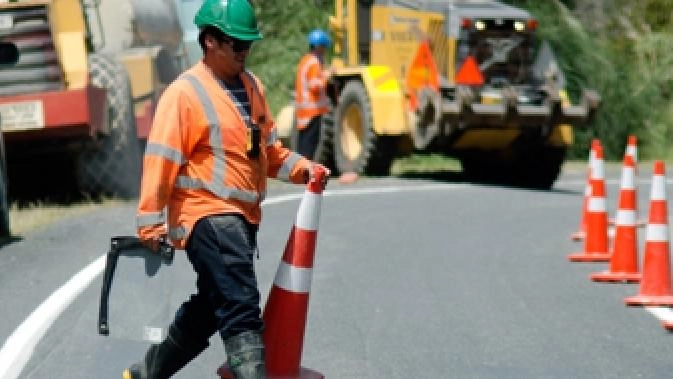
131 247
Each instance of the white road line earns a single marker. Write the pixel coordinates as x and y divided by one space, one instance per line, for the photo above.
580 182
20 344
663 314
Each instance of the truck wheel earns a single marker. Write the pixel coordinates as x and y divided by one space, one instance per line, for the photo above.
357 148
5 230
539 168
112 166
324 150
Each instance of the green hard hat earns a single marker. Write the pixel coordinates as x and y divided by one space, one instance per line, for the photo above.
235 18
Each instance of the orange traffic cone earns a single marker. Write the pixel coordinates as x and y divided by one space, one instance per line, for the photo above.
287 305
655 285
580 234
596 240
632 151
632 148
624 260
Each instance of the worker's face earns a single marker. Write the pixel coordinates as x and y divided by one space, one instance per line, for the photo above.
229 55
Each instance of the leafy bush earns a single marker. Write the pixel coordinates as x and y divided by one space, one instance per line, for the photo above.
627 58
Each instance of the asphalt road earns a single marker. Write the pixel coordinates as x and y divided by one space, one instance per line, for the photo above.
413 278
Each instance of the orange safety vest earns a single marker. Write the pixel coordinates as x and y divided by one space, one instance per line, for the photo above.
310 97
196 161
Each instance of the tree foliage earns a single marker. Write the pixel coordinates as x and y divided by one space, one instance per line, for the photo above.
621 48
284 25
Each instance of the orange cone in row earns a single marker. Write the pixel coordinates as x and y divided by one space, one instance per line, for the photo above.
632 148
624 259
286 308
596 240
632 151
655 285
580 234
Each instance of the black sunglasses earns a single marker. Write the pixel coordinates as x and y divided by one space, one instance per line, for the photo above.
237 45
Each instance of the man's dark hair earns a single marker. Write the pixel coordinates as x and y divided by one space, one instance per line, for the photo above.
213 32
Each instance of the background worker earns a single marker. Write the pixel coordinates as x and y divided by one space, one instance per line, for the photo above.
311 100
210 150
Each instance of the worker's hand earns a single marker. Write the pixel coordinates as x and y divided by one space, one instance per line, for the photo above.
310 173
328 73
152 236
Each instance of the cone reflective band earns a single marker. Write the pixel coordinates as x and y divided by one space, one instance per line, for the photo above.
655 284
580 234
624 259
286 309
596 240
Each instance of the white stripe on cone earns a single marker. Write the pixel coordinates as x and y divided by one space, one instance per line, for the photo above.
658 188
308 214
628 179
596 204
293 279
625 217
657 233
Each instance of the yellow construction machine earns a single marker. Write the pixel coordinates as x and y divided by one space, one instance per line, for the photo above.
464 78
78 103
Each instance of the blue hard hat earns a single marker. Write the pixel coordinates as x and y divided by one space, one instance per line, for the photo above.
318 37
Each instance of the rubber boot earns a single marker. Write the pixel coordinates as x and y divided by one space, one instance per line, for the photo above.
165 359
245 355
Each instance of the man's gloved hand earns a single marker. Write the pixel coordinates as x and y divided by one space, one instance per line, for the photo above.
309 173
152 236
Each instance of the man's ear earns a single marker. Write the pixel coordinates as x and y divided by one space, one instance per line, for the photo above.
210 42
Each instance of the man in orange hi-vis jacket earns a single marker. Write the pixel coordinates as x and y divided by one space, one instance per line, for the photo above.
310 94
209 153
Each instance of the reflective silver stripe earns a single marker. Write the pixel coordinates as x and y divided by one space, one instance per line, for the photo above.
253 81
148 219
286 167
315 82
657 233
628 179
304 82
323 103
658 190
293 279
273 136
625 217
177 233
165 152
186 182
596 204
214 127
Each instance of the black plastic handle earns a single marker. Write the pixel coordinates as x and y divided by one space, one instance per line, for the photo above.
129 246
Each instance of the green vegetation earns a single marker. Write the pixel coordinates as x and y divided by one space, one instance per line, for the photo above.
621 48
284 25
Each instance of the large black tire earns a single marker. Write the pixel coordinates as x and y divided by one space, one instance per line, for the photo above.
112 166
5 230
324 150
357 148
535 167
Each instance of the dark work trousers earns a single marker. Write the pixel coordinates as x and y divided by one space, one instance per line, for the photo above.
307 138
221 249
